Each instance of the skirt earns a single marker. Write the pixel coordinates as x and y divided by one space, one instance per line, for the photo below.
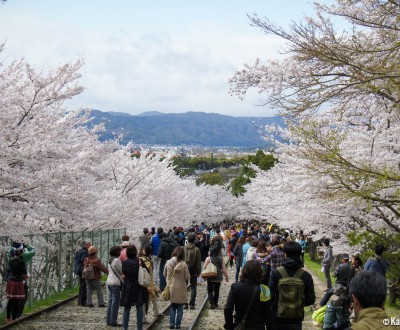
15 290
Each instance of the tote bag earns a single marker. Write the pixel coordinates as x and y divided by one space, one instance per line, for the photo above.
209 271
144 277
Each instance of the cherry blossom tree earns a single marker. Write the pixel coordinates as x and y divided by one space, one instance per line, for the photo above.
339 95
56 175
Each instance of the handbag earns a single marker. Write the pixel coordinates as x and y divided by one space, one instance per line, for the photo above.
242 323
165 295
210 271
144 276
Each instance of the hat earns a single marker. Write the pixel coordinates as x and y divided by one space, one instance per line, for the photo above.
345 256
92 250
18 247
125 244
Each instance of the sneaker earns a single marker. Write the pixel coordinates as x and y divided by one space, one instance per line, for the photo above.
116 325
172 327
191 306
102 305
185 306
90 305
212 306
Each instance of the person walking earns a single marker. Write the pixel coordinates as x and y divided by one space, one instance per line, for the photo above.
155 244
327 263
214 283
113 285
132 293
94 284
80 257
167 246
289 315
249 299
177 273
145 257
193 260
238 253
204 250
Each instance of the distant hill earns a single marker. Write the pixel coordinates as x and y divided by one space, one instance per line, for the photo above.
190 128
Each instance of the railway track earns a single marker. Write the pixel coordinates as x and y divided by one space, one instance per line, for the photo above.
67 315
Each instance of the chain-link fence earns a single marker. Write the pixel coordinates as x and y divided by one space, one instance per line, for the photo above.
51 269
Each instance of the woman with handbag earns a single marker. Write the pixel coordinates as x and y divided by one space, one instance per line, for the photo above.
214 283
132 293
177 274
113 285
145 256
250 300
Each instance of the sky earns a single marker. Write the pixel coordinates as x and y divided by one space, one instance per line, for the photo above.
154 55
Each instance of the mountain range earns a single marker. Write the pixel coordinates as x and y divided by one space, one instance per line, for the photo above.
190 128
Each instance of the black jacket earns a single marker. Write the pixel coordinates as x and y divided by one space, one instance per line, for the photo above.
80 256
166 248
132 293
291 266
260 313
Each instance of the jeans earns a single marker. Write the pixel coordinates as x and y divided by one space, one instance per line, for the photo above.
237 272
213 292
163 281
82 292
113 293
175 315
139 317
156 269
193 290
327 273
96 286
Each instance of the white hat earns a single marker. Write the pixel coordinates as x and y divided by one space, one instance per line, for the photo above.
125 244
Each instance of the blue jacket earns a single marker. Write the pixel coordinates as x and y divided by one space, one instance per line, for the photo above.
377 264
155 243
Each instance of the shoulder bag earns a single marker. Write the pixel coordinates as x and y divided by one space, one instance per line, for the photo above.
210 271
115 273
166 294
144 275
242 324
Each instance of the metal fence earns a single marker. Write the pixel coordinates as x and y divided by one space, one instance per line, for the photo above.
51 269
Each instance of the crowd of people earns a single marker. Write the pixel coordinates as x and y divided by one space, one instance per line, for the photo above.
270 290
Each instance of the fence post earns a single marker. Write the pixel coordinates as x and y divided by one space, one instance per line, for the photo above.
46 265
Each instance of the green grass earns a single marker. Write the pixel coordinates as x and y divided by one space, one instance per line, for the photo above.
315 267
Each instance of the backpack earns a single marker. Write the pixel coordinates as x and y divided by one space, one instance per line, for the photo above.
88 271
291 295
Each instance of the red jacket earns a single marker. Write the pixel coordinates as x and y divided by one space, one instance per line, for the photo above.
97 266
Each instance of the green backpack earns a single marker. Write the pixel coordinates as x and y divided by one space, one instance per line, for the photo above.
291 295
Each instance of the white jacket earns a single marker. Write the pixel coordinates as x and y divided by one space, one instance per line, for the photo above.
114 272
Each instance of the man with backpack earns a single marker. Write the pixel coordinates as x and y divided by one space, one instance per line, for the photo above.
80 256
292 288
193 260
167 246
